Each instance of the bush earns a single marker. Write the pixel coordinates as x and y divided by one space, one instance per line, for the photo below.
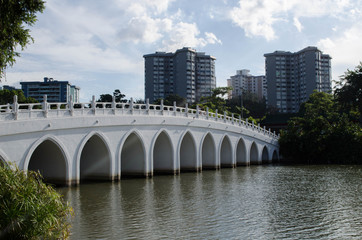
30 209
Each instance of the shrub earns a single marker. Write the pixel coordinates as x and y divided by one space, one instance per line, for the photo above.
30 209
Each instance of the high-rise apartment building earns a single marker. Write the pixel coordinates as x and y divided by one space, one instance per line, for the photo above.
292 77
243 82
187 73
56 91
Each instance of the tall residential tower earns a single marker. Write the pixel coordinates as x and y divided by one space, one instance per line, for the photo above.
187 73
292 77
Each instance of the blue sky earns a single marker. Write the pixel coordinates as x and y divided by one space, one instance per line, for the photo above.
99 45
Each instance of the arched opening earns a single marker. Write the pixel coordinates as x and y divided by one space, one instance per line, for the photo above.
209 153
265 155
133 157
275 157
253 154
241 153
50 161
163 155
226 156
188 160
95 160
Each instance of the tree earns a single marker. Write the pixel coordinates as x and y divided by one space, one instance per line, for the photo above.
109 98
7 96
105 98
322 134
251 104
30 209
180 101
349 91
216 100
118 96
14 16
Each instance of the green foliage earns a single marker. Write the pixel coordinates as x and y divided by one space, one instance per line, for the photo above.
216 100
108 97
118 95
322 134
14 16
7 96
30 209
251 104
180 101
349 91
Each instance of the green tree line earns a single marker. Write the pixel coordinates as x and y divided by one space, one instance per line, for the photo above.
329 129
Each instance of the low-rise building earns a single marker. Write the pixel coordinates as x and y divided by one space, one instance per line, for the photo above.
56 91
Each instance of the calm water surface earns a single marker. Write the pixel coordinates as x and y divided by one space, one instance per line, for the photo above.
257 202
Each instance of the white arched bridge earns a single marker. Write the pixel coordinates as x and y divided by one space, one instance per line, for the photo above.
73 142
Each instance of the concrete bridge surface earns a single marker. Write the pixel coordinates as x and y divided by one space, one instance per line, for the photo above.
73 142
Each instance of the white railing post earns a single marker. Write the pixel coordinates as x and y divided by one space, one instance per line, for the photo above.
207 113
240 120
114 104
93 104
197 111
187 109
216 115
45 106
161 106
225 116
15 107
174 107
131 105
70 106
232 118
148 105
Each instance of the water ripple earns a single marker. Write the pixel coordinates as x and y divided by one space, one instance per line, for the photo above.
257 202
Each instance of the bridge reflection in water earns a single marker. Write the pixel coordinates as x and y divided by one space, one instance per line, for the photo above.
73 142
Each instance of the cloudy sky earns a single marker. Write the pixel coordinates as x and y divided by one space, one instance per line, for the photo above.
99 45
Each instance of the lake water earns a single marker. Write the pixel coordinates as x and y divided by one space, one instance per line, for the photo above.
256 202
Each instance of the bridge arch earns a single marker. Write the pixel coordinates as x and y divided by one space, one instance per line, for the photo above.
208 152
187 152
265 155
226 152
133 161
275 156
241 157
162 153
48 156
94 158
254 153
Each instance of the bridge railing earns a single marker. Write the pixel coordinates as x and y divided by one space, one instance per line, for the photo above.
46 109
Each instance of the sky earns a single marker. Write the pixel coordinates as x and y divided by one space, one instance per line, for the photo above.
99 45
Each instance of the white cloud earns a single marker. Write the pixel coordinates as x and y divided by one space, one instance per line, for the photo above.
345 49
186 34
211 38
297 24
257 18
